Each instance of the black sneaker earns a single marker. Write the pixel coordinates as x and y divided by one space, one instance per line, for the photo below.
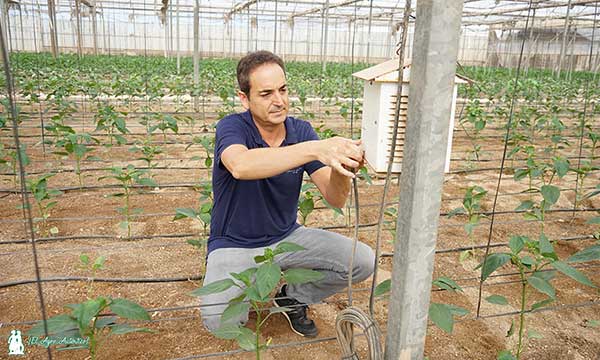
296 316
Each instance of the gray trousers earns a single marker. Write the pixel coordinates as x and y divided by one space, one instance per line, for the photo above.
326 252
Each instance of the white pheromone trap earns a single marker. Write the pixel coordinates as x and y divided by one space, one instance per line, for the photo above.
379 104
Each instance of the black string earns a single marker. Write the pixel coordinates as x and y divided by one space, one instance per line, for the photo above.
24 193
506 137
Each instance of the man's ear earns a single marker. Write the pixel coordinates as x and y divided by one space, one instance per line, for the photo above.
244 99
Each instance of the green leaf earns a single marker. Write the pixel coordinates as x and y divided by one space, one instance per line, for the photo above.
546 247
493 262
505 355
527 260
525 205
511 329
383 287
284 246
234 310
497 299
146 182
441 316
541 304
103 321
245 276
454 212
267 277
562 166
88 310
542 286
56 325
446 283
301 276
532 334
550 193
214 287
128 309
592 323
246 339
516 244
121 329
572 273
594 220
228 332
85 260
181 213
589 254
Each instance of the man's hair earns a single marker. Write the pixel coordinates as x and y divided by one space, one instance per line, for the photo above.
252 61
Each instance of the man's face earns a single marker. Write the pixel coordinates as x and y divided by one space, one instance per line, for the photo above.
268 101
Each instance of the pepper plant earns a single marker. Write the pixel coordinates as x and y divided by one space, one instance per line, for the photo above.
90 320
113 122
537 263
256 283
471 208
76 145
127 178
202 214
92 268
148 153
442 315
45 200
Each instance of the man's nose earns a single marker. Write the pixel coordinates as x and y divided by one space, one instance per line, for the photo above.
277 98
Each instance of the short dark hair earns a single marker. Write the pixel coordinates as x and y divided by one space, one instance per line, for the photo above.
252 61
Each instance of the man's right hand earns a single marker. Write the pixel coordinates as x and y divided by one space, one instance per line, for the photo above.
341 154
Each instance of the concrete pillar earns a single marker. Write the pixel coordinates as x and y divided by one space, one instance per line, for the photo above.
429 107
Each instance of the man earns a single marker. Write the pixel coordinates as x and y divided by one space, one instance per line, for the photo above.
260 157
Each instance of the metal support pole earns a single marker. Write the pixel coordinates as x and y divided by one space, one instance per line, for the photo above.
429 107
94 28
324 14
564 41
21 25
177 41
53 35
78 27
275 30
369 30
41 47
196 50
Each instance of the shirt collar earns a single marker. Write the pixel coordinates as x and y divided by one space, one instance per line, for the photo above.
291 136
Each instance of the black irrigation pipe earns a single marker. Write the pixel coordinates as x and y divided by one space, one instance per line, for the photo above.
99 237
171 244
82 170
495 245
100 279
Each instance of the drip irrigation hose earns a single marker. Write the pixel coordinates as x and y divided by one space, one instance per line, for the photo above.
347 318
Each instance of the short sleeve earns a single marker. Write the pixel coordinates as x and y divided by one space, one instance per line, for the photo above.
308 134
230 131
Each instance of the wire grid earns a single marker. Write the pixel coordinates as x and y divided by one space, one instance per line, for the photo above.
489 245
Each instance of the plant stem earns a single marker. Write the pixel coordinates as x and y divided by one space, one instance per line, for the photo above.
258 323
522 311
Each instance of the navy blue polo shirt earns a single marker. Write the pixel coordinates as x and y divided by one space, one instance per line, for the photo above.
255 213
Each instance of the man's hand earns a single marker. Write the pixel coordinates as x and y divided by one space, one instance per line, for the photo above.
344 156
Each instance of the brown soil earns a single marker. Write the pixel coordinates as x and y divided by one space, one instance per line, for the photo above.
179 331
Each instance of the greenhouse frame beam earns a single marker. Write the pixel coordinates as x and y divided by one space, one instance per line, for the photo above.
322 8
422 177
525 8
238 8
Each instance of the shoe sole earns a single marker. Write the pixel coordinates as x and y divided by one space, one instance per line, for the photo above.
290 322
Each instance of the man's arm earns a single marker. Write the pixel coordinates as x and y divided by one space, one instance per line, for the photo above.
333 186
261 163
